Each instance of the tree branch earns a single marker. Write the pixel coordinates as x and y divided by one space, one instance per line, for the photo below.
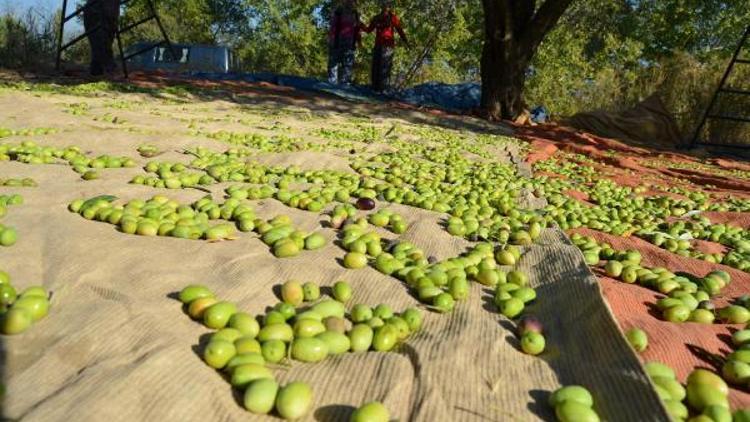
525 12
544 20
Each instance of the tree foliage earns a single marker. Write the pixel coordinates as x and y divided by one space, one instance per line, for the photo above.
26 41
601 54
613 53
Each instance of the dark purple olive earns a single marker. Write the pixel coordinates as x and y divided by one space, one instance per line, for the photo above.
432 259
707 305
529 323
365 204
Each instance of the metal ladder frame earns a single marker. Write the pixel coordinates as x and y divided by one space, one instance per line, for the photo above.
64 18
708 114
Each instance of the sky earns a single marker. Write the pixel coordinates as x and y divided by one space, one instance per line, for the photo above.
20 6
43 7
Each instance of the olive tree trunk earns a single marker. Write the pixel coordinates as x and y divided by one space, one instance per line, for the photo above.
513 31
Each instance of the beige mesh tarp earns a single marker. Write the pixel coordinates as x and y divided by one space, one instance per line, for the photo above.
117 347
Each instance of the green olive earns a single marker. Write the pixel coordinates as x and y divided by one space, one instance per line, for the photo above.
505 257
245 324
311 291
273 351
614 269
571 411
629 275
512 307
705 377
227 334
7 294
657 369
355 260
220 231
194 291
401 327
741 337
197 307
243 375
285 248
329 308
525 294
678 313
676 409
717 413
702 316
274 317
735 314
243 359
371 412
16 321
575 393
294 400
309 315
413 319
247 345
218 353
360 313
385 338
488 277
532 343
90 175
360 337
342 291
292 293
443 302
310 349
736 372
315 241
673 388
458 288
700 396
383 311
34 291
308 328
336 342
518 277
637 338
742 355
281 332
8 236
260 396
217 315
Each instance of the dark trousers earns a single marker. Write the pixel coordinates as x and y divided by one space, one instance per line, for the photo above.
340 65
382 62
105 14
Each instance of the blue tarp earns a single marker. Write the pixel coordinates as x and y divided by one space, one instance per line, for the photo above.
458 97
450 97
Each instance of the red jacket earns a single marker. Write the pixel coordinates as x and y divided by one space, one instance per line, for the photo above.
346 28
384 26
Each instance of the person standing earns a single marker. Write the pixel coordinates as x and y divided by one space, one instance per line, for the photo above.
343 38
101 18
385 25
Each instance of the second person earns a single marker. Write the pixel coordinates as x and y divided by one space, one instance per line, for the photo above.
385 25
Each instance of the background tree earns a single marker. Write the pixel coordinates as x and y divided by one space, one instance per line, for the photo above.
513 32
611 54
600 54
